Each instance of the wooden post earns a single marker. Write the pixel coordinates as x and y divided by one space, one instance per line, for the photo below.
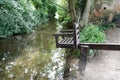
56 40
76 34
82 61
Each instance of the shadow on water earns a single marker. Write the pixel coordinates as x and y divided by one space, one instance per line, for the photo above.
31 57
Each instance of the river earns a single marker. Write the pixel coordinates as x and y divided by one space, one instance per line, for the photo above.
32 56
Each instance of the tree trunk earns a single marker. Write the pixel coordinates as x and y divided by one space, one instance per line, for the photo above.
72 11
68 52
86 12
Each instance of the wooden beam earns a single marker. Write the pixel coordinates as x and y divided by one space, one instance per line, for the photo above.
69 30
63 34
102 46
82 61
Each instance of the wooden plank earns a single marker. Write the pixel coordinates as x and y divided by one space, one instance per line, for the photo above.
83 60
69 30
70 40
63 34
56 40
102 46
66 45
63 40
76 31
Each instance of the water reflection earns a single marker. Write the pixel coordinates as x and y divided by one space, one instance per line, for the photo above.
31 57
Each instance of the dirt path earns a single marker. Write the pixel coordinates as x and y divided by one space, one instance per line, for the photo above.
107 65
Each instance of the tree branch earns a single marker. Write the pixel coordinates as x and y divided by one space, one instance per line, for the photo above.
59 6
72 10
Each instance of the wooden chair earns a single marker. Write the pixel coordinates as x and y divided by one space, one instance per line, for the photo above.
68 38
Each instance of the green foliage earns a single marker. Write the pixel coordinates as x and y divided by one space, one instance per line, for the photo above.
15 17
20 16
107 26
64 17
62 10
46 8
80 4
104 24
91 34
51 10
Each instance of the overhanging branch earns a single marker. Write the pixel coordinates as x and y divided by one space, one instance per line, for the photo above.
59 6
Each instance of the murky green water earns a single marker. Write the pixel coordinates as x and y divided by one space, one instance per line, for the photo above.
31 57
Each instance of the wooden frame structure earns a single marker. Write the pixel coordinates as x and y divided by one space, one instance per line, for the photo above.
70 39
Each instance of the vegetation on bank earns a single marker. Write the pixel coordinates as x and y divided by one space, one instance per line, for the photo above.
21 16
91 32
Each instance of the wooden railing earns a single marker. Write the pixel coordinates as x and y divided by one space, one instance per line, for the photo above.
101 46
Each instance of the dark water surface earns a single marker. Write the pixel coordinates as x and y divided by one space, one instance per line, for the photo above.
31 56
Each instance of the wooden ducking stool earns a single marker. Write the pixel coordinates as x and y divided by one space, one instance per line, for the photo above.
71 39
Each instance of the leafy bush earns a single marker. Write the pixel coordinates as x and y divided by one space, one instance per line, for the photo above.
15 17
46 8
20 16
91 34
64 17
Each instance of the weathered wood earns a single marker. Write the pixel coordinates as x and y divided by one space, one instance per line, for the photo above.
69 38
66 41
102 46
76 34
69 30
63 34
82 60
56 40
